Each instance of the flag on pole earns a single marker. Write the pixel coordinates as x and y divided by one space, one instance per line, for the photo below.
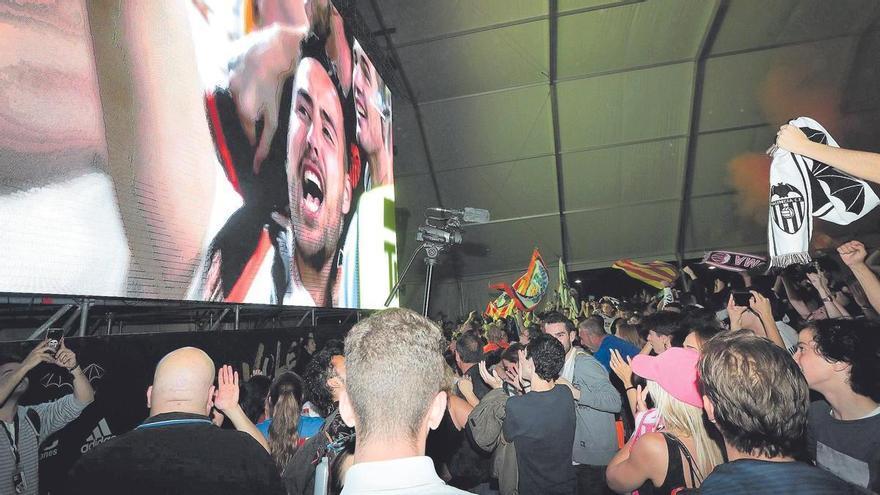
563 291
654 273
525 293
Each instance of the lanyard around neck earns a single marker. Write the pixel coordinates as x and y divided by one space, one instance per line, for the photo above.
170 422
13 444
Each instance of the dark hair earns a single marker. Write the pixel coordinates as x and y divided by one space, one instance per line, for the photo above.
663 322
531 331
857 343
512 352
548 355
284 400
252 396
706 331
759 393
469 347
318 371
557 317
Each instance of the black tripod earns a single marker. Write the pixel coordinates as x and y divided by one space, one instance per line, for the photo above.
432 253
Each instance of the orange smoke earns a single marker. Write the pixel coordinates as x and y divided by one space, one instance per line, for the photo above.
790 89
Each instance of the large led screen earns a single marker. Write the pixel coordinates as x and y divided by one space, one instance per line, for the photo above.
210 150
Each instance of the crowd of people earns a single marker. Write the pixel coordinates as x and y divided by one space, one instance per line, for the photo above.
737 384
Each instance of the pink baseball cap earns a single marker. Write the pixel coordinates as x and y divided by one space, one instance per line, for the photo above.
675 370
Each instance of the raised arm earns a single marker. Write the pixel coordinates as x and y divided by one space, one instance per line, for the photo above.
861 164
853 253
226 401
82 389
8 382
794 299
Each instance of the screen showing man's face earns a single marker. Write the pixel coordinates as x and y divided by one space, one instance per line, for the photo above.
366 100
317 182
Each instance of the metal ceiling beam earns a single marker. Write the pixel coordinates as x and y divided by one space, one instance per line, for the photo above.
553 14
420 123
696 99
517 22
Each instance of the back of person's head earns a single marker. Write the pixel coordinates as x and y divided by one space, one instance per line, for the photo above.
252 397
285 401
183 382
593 325
552 317
855 343
496 332
319 370
630 333
395 366
469 348
548 355
700 333
512 352
757 395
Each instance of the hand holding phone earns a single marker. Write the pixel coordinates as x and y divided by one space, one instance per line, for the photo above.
54 336
742 298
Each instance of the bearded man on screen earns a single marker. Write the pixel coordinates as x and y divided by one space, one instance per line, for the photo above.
318 185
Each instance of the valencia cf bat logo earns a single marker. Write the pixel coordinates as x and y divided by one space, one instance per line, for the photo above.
93 372
788 208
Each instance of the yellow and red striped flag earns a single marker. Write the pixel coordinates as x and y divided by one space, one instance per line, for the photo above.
654 273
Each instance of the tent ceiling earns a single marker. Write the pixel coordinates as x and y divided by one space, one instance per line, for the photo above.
642 89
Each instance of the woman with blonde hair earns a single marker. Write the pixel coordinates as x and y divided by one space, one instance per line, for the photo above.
680 453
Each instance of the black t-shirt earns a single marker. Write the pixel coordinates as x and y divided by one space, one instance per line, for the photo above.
480 387
177 453
849 449
541 426
754 477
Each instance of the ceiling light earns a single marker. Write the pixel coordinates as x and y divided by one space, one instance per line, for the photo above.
577 281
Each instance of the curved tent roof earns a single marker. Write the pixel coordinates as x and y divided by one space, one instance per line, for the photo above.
596 129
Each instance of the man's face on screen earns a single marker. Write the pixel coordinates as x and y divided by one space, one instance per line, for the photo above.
317 182
366 101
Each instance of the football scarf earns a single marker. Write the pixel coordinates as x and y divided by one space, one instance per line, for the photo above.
733 262
802 188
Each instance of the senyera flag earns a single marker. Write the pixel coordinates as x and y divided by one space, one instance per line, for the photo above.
526 292
734 262
654 273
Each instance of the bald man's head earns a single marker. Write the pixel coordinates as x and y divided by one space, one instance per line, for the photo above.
183 382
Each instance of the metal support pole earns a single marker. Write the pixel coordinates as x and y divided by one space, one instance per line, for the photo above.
429 272
70 319
84 317
237 311
217 323
52 319
314 319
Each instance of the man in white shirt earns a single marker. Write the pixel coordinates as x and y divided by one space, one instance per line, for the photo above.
394 363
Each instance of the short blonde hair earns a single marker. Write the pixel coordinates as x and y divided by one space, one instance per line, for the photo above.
395 368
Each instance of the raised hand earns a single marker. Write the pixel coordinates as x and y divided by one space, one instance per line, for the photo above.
492 379
40 354
226 396
762 306
792 139
256 80
735 313
641 399
466 386
621 368
852 253
65 357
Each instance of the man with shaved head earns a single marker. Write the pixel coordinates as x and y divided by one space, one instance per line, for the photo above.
178 449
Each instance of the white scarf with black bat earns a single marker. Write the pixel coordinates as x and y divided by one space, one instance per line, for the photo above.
802 188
